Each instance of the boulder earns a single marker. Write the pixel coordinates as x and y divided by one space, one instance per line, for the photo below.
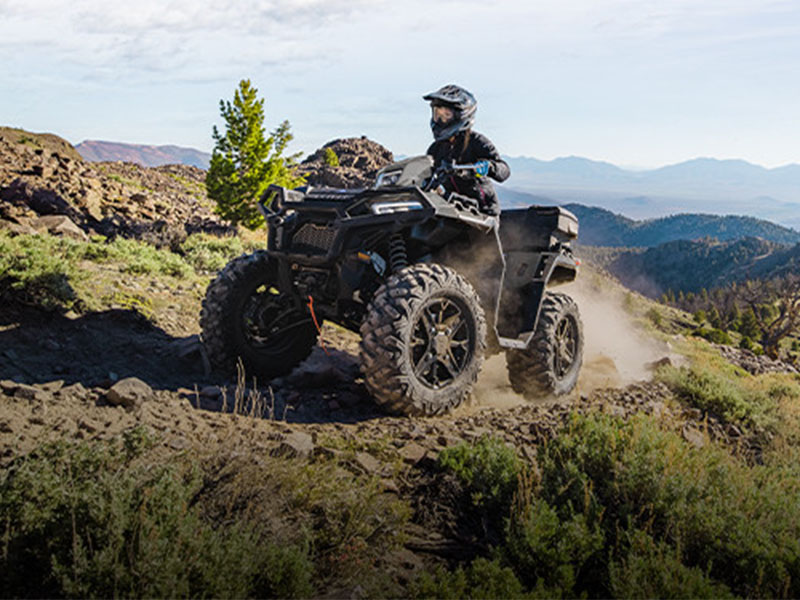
130 393
60 225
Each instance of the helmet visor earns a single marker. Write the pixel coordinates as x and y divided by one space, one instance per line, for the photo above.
442 114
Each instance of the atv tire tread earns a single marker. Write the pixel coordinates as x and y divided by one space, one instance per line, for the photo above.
531 371
385 360
220 316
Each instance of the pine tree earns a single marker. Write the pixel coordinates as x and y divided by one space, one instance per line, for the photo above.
244 163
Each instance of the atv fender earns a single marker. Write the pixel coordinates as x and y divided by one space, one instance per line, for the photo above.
522 286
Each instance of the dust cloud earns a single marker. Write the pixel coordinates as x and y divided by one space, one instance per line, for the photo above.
616 351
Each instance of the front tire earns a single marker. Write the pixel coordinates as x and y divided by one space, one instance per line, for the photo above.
245 316
423 341
551 363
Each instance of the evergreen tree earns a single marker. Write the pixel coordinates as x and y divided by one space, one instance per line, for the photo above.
748 324
244 163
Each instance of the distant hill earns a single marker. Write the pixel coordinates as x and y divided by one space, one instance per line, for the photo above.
692 265
718 186
601 227
147 156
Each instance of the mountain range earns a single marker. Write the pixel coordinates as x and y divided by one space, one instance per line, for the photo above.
147 156
690 265
712 185
602 227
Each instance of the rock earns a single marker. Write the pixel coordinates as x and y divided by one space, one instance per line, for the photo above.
8 386
60 225
693 436
296 445
359 161
51 386
412 453
28 392
368 463
76 390
661 362
130 393
390 486
210 391
5 426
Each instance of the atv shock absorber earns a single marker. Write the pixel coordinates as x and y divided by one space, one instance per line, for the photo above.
398 257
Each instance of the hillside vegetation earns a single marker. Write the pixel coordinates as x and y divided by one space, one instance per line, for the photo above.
128 469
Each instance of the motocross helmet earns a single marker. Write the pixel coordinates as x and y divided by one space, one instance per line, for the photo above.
463 105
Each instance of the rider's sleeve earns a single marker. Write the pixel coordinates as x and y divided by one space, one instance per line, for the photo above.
498 168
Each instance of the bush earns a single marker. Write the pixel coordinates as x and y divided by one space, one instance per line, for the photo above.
488 467
727 397
330 158
209 254
482 579
737 525
32 270
714 335
116 520
653 569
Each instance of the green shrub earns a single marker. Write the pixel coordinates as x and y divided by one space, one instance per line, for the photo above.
714 335
208 254
489 467
553 550
724 396
653 569
115 520
481 579
655 316
331 159
738 525
33 271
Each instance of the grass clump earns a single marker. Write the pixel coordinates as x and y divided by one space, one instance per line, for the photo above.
726 395
115 520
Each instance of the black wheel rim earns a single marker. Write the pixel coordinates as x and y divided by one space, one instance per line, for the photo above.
566 346
269 320
442 342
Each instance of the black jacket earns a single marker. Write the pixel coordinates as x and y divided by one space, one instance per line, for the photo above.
469 147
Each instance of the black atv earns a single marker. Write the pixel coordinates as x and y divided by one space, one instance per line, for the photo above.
416 271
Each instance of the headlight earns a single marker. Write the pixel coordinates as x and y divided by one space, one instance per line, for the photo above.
385 208
387 179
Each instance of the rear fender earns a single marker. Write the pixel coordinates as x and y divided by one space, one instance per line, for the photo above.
525 276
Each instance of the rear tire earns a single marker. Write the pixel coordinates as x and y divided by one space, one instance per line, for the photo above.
552 362
245 316
423 341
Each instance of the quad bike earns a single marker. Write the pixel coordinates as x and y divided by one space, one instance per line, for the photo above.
418 272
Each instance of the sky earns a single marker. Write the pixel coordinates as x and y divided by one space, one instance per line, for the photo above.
637 83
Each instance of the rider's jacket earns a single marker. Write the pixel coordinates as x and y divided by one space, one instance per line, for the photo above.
467 147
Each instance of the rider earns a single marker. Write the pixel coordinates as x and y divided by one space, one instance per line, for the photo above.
452 116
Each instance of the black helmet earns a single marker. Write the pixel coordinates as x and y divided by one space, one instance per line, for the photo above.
463 104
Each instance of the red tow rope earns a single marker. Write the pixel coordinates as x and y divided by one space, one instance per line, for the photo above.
316 324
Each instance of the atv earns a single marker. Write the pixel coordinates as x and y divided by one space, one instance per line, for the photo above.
418 272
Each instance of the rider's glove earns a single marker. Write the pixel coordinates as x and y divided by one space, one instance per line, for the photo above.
482 168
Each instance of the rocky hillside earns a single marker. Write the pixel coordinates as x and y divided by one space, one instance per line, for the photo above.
359 159
46 185
128 468
689 266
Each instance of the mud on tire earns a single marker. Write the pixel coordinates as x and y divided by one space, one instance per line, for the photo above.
551 363
245 316
423 341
